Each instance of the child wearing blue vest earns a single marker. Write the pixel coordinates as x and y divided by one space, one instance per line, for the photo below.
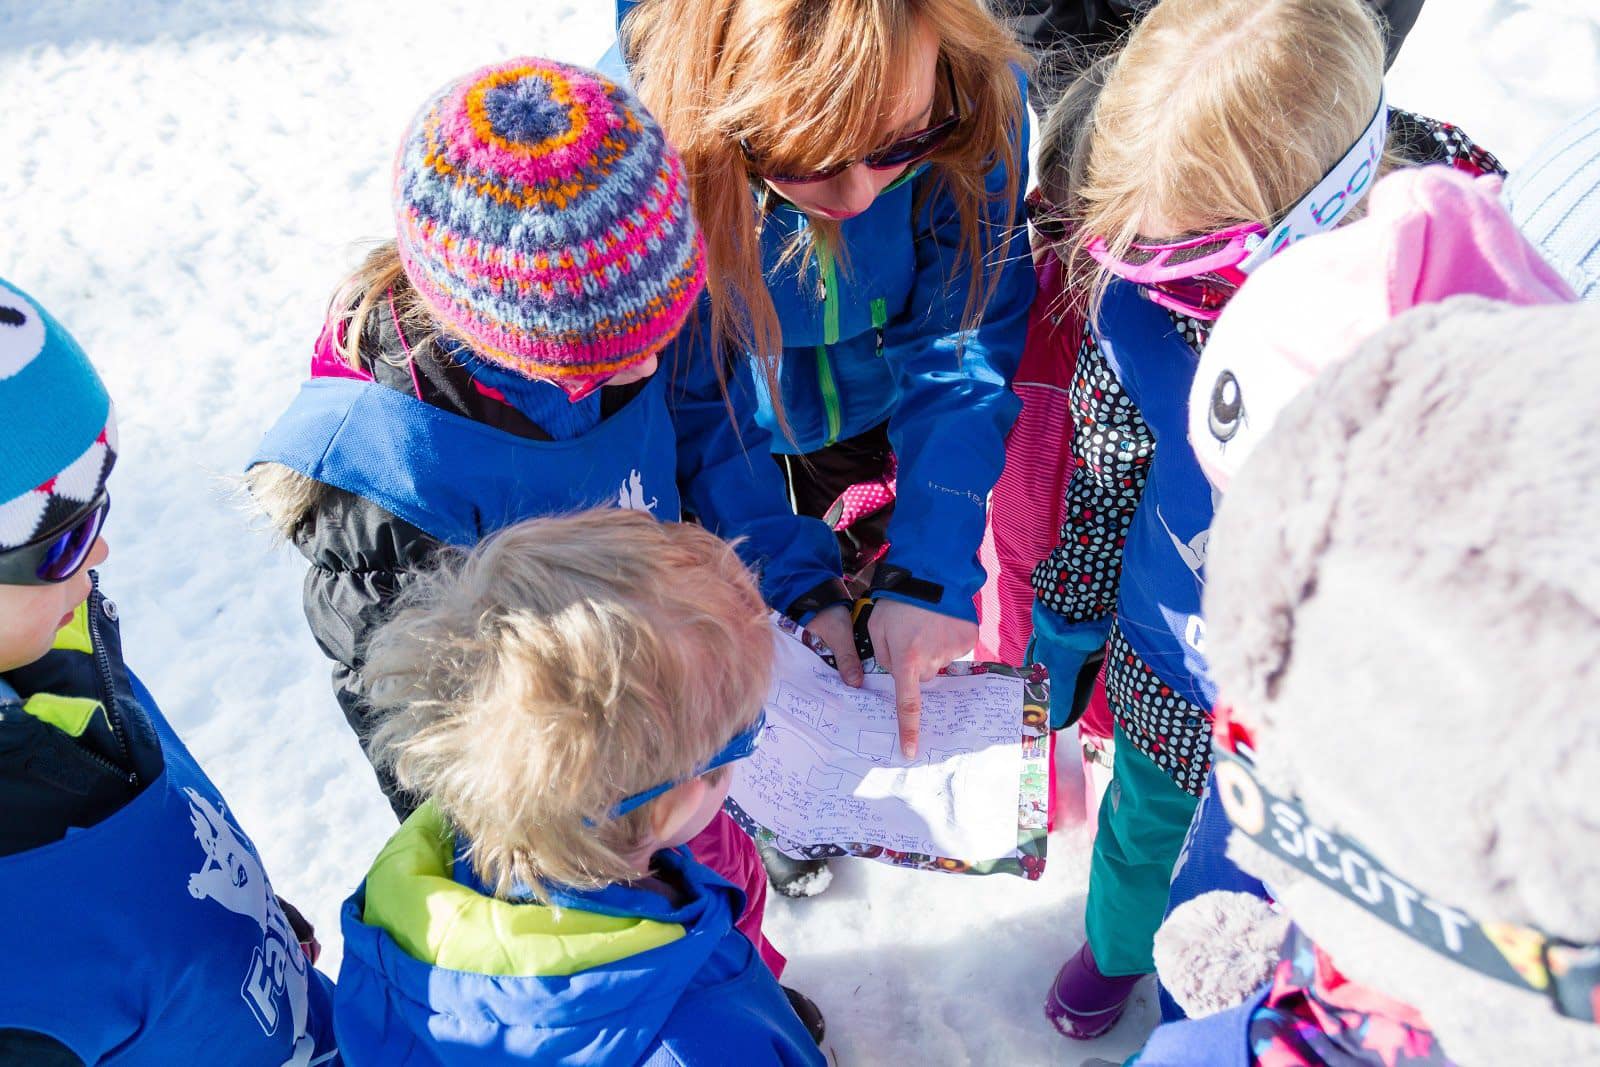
568 697
1159 220
140 924
498 361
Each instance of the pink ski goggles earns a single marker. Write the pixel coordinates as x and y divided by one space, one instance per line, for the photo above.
1190 275
1198 274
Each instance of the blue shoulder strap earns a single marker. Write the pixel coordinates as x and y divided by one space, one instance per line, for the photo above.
457 479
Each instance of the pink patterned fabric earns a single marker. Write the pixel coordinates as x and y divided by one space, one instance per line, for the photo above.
1025 509
864 498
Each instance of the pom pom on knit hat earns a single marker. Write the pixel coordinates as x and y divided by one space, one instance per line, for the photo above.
1430 233
544 219
60 438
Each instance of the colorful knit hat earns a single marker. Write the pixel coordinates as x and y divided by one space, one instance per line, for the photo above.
60 438
544 218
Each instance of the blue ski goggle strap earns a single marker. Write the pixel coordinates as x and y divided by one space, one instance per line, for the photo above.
1567 975
743 744
1343 187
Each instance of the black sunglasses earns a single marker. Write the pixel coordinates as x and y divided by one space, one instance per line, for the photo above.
1048 220
901 152
56 556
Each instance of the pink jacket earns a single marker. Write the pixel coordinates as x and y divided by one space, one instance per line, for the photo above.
1025 510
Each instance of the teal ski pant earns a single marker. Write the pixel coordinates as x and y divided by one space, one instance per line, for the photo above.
1143 820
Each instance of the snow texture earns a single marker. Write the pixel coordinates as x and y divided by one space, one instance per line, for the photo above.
185 182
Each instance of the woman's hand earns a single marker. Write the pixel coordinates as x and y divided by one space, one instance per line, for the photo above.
833 625
912 643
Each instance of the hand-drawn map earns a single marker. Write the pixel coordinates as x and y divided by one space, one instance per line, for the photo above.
828 778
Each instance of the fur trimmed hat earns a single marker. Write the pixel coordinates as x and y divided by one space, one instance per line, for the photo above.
1403 611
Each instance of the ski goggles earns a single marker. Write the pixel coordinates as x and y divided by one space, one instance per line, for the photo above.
901 152
743 744
1198 274
56 556
1567 975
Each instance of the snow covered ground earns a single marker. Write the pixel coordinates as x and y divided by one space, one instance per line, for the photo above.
183 183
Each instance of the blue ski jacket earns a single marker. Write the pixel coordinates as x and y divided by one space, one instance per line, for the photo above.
438 972
883 341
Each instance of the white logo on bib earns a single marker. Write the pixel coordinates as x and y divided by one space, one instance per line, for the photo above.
232 876
630 497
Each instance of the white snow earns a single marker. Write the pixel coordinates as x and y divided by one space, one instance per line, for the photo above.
183 184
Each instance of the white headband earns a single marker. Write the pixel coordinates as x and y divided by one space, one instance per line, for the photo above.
1320 210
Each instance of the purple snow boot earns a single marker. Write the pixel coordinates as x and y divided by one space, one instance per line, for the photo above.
1083 1003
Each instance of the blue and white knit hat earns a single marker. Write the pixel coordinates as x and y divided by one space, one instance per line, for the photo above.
1555 200
60 437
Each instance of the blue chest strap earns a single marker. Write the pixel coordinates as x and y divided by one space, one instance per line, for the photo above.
460 480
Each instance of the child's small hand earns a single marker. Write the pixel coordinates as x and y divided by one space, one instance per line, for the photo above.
833 626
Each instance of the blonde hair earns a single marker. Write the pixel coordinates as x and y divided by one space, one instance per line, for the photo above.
285 498
530 685
1218 112
379 286
808 83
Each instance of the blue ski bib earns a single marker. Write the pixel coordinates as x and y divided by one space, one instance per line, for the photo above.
154 937
460 480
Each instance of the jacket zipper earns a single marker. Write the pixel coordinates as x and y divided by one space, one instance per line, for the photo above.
830 297
830 336
830 394
880 319
108 689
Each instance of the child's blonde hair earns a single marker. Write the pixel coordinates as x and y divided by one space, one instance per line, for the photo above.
806 84
529 686
379 286
1217 112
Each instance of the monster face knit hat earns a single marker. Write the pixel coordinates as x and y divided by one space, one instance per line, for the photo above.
543 217
60 438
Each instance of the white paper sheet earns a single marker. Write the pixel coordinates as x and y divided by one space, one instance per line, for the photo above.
829 768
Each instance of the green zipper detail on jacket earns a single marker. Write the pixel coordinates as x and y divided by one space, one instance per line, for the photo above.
830 297
830 394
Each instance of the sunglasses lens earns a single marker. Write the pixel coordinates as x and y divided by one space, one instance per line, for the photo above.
908 150
810 178
71 548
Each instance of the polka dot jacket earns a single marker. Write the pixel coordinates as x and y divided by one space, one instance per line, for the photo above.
1114 447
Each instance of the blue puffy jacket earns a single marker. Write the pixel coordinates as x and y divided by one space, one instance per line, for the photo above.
882 344
437 972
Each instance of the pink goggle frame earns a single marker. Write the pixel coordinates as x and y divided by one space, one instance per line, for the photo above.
1197 275
1192 275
